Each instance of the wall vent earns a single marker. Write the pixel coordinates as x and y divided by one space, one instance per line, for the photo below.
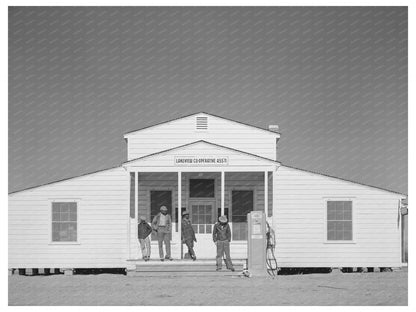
202 123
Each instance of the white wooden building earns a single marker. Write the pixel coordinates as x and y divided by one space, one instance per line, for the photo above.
210 165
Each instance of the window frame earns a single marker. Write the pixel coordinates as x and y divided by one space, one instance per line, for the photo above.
201 198
50 210
353 220
230 204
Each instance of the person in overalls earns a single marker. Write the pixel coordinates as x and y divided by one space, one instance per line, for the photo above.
188 234
222 238
162 225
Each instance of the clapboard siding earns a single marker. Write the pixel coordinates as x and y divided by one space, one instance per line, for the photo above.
182 131
299 222
102 199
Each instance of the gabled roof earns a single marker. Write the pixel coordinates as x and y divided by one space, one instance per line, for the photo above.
198 142
201 113
345 180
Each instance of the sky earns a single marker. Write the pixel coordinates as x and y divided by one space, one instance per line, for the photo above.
333 78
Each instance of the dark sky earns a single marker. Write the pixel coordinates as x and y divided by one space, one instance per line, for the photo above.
333 79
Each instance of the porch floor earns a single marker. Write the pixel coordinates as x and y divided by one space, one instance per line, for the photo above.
182 268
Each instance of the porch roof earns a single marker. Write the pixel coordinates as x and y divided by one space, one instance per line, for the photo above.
201 156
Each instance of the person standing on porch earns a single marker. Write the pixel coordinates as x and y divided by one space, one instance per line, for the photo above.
143 232
222 238
188 234
162 225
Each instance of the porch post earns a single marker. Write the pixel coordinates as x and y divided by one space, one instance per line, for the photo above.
222 192
179 211
136 212
266 192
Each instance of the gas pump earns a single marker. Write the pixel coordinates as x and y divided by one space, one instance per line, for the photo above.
261 243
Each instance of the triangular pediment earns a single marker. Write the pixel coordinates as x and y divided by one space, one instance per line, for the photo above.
200 154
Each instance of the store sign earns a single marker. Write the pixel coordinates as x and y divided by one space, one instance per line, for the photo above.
201 161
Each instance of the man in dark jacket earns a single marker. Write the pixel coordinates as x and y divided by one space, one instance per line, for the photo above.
188 234
222 238
162 225
143 232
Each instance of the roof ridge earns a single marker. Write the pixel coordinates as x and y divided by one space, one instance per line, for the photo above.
200 112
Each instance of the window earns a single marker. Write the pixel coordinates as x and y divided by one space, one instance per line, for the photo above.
242 204
201 217
64 222
339 220
202 188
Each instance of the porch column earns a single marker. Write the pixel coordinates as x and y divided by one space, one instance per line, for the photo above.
266 192
222 192
179 210
136 210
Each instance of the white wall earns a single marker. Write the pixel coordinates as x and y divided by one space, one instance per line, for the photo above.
182 131
103 210
299 222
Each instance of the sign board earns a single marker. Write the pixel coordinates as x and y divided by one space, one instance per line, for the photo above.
201 161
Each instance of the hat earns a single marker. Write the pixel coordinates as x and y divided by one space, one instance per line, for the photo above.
163 208
186 212
223 219
143 218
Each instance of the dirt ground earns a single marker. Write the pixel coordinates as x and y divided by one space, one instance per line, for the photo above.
389 288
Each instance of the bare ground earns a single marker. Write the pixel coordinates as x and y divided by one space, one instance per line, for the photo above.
389 288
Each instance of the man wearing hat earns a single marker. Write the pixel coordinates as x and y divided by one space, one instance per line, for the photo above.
143 232
188 234
162 225
221 235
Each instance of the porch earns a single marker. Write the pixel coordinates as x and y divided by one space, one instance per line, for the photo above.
206 195
232 183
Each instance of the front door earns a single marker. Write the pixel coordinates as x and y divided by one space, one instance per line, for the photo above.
202 215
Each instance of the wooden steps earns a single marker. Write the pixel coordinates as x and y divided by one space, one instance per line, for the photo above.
183 268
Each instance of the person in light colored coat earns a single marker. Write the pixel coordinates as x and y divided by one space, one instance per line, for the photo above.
162 225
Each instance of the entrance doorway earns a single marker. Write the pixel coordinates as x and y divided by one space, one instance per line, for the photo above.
202 214
158 199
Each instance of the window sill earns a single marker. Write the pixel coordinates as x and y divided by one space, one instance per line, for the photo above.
339 242
64 243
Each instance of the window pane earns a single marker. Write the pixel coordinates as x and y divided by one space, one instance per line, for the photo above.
339 205
201 228
72 231
331 212
331 205
348 226
56 208
242 204
331 235
339 213
347 235
348 204
339 235
63 232
55 231
195 227
56 216
347 213
209 228
201 187
331 226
